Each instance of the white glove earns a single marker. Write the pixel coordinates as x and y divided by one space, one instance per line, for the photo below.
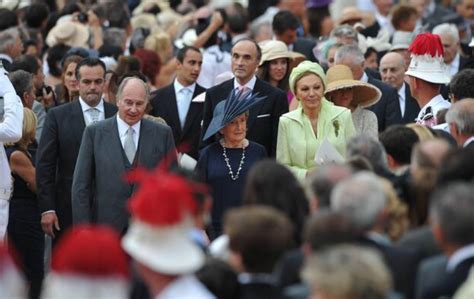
5 84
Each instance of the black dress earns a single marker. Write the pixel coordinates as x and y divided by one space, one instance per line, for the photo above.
226 192
24 229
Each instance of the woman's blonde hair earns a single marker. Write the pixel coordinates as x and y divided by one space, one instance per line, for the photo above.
29 129
423 132
160 42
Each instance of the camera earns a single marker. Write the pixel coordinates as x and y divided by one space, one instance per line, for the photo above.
82 17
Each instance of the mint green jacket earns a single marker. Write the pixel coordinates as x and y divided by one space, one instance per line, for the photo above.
297 144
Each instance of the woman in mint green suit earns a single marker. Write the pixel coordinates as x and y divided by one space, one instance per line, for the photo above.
301 131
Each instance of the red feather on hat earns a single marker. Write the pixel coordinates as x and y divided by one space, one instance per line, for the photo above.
90 251
163 198
427 44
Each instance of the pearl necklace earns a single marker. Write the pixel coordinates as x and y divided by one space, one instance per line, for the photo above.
226 159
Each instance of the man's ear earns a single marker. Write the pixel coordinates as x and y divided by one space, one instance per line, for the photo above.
235 260
438 234
392 164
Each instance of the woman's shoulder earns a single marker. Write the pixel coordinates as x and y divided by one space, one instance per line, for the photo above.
295 115
256 147
334 110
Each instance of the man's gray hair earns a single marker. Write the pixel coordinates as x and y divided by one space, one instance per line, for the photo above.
362 198
115 37
124 83
369 148
349 51
348 271
461 113
22 81
446 29
7 38
451 208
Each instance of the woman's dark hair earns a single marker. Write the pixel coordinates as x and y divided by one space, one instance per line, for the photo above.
272 184
263 73
55 56
125 65
66 96
316 16
150 63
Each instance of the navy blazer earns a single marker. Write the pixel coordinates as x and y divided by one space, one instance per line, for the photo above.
381 108
394 114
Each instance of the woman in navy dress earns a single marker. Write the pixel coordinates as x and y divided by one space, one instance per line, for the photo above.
225 163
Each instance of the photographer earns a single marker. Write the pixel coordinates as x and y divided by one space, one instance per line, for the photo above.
10 131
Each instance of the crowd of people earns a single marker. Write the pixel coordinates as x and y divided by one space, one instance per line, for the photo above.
237 149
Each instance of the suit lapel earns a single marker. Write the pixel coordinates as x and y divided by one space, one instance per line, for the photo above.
144 148
77 120
195 109
255 111
113 145
171 107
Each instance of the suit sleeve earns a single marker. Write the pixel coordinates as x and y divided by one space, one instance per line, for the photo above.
82 183
169 144
392 95
46 163
283 155
280 108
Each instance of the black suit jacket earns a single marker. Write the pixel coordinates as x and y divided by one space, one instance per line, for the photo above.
163 102
56 158
305 46
263 120
381 108
442 283
260 290
394 115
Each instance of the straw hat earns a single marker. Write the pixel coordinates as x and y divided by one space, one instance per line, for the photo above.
274 49
73 34
340 77
427 62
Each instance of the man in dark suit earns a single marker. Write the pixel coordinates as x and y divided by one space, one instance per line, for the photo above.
453 227
263 120
460 118
60 142
285 25
406 109
352 56
108 150
10 46
174 102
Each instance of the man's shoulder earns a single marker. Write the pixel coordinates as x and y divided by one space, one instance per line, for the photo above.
64 108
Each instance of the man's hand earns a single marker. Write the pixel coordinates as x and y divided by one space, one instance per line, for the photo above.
47 99
47 222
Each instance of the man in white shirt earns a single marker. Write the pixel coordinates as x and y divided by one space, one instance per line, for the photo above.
111 148
60 142
174 103
449 35
10 131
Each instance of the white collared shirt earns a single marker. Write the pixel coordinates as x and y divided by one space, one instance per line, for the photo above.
459 256
469 140
183 99
185 287
85 110
122 130
250 84
401 99
364 78
453 67
437 103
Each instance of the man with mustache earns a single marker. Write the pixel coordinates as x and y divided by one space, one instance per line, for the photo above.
59 145
174 102
263 119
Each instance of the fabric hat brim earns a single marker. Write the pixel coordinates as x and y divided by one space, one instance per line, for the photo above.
167 250
428 69
399 47
78 39
364 94
216 123
290 55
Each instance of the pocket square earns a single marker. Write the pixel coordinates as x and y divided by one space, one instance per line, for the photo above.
263 115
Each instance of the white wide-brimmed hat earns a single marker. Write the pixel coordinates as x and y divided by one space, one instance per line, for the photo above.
274 49
340 77
70 33
158 236
401 40
427 62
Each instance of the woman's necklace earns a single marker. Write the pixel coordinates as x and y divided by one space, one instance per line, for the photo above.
226 159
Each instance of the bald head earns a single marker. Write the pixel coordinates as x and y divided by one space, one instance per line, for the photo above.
392 69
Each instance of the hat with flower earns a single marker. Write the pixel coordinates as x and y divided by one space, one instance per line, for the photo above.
427 62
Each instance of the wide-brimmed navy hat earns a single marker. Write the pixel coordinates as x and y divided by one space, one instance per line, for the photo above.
226 111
